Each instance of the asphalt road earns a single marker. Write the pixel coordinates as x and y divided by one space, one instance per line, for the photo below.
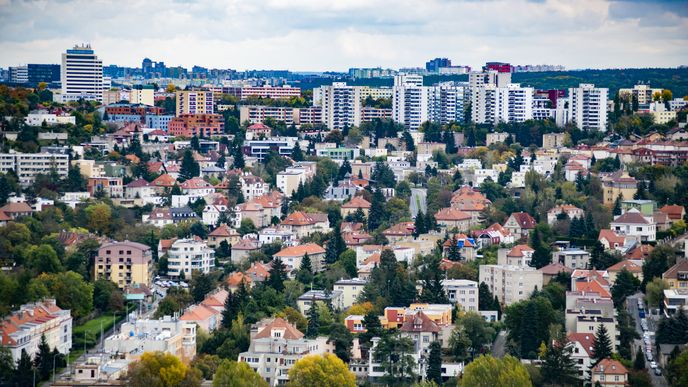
632 306
418 201
498 347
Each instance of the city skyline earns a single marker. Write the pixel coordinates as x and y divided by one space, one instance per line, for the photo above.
306 35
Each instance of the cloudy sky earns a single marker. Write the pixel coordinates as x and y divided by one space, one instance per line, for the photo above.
318 35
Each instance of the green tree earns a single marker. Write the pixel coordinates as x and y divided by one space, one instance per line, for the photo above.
43 259
542 255
23 376
487 371
247 227
201 285
69 289
431 280
393 352
376 215
601 345
321 371
660 260
626 284
654 292
297 153
434 371
237 374
639 362
43 361
559 368
313 320
678 370
305 273
419 224
189 167
107 296
278 275
342 340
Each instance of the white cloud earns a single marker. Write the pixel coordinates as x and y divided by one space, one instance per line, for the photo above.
335 35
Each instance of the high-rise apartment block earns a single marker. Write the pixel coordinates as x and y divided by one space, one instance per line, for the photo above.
409 100
19 74
340 105
194 102
587 107
124 263
81 75
491 104
29 165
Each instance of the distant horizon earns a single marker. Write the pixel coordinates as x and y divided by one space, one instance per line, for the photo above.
302 35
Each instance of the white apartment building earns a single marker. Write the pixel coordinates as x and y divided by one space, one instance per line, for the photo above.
446 103
463 293
634 223
38 117
28 165
276 345
491 104
168 334
257 113
22 330
587 107
187 255
510 283
143 94
409 100
19 74
340 105
81 75
288 180
643 93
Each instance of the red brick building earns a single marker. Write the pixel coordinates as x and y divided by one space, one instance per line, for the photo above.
200 125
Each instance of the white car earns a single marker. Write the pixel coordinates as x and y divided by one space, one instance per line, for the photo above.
653 365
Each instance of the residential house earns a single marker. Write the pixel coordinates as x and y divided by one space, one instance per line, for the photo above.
197 187
354 205
303 224
183 214
159 217
399 232
611 240
462 293
677 275
189 255
253 186
237 278
223 233
334 298
16 210
519 224
351 289
258 271
467 246
581 352
609 373
570 211
169 335
552 270
207 318
633 267
572 258
519 255
242 249
451 219
212 212
674 212
23 329
139 189
618 184
291 256
510 283
633 223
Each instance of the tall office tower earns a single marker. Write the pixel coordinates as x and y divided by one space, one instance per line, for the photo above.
446 103
340 105
194 102
434 65
147 67
19 74
81 75
409 100
587 107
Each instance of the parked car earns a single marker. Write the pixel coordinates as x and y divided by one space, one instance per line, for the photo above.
653 365
649 356
658 372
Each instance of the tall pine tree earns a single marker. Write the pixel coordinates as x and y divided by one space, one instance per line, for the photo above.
231 310
278 275
43 362
313 321
434 372
601 345
419 224
377 210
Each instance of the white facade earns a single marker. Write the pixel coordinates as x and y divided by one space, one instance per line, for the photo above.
351 289
463 293
28 165
491 104
81 75
187 255
37 118
446 103
511 283
169 335
587 107
409 100
340 105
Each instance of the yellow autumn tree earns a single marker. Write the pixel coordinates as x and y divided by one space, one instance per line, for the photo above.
161 369
487 371
321 371
237 374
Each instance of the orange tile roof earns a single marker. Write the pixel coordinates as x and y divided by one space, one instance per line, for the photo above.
593 287
585 339
519 251
259 270
299 218
224 231
673 271
554 269
611 237
357 202
290 331
640 252
400 229
675 212
419 322
199 313
300 250
16 208
451 214
628 265
234 279
609 367
164 180
195 183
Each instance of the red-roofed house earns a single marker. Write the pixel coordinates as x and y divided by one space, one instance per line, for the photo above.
570 211
292 256
519 224
633 223
223 233
399 231
609 373
258 130
674 212
451 218
611 240
303 224
631 266
354 204
581 344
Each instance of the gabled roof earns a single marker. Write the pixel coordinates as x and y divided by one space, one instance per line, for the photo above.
674 212
584 339
673 271
519 251
199 313
357 202
290 331
224 231
299 218
259 270
611 237
609 367
400 229
419 322
16 208
524 220
628 265
164 180
300 250
246 244
640 252
195 183
451 214
139 183
236 278
631 217
259 126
